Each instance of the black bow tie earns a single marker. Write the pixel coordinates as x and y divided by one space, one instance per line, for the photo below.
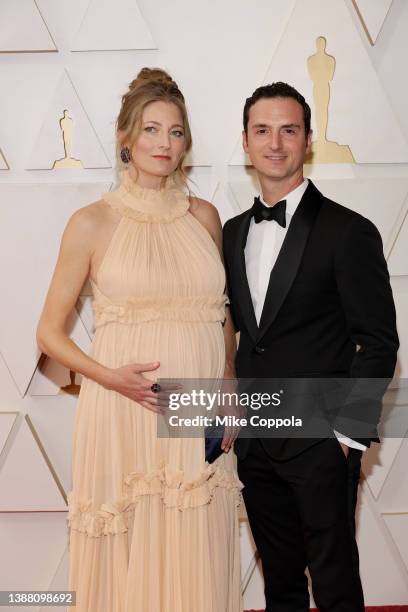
269 213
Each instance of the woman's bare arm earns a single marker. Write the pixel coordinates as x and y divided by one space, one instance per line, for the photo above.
72 268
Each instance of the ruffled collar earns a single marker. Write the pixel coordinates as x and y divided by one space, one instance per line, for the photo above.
148 205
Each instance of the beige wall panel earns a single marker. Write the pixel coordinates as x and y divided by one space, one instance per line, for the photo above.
25 29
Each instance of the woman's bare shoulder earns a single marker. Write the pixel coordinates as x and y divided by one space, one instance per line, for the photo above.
202 207
207 214
91 218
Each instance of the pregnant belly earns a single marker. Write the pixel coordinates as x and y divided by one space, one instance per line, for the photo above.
184 349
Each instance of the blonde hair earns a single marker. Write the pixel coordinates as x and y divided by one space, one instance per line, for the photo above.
151 85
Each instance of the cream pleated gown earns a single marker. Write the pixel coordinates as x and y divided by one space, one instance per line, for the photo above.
153 527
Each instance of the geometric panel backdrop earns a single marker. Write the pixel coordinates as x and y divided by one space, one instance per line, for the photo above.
60 105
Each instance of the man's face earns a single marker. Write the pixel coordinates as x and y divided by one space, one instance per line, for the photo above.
275 141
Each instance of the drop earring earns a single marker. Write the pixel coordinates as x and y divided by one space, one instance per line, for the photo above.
125 155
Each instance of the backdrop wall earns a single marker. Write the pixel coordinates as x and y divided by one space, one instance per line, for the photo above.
80 56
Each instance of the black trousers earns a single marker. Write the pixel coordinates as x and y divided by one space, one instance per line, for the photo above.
301 512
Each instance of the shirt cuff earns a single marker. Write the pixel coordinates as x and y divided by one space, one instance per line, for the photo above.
349 442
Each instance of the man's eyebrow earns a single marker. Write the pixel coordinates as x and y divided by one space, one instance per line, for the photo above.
286 125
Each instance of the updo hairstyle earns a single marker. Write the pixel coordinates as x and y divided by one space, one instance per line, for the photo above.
151 85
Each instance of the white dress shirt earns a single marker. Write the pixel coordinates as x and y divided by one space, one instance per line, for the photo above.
262 248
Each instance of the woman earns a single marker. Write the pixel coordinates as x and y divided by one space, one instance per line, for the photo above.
153 527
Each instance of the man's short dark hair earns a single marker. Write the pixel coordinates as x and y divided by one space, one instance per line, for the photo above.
278 90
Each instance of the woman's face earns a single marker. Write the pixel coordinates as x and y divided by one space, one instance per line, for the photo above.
160 144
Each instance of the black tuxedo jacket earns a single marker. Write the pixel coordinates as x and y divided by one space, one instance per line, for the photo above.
328 310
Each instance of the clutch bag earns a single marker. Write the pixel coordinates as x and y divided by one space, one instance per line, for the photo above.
213 440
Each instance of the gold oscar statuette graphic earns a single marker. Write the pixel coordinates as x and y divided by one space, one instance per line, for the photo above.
66 124
72 388
321 67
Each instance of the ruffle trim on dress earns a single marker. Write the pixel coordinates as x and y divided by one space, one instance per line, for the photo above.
113 517
148 205
141 310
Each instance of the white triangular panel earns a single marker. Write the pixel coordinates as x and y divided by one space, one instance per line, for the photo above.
23 28
49 144
371 528
356 93
398 258
63 18
7 420
26 481
3 162
10 397
49 378
400 292
59 581
201 182
32 545
224 200
398 527
32 219
53 419
372 14
377 466
394 493
365 196
199 156
113 25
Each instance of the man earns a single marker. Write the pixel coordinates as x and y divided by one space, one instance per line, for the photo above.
310 295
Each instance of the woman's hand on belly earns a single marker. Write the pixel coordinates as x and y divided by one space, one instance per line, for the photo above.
129 381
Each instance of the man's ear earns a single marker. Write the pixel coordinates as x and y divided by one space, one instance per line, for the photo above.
244 141
309 142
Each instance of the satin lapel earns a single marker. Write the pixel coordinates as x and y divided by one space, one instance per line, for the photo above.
289 258
240 279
